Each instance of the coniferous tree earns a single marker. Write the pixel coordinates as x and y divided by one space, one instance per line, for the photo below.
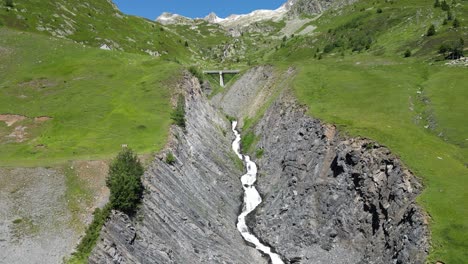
124 182
449 15
445 6
431 31
456 23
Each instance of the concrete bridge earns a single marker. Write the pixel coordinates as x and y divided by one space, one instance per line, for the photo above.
221 74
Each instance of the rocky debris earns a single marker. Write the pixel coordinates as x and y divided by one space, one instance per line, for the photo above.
41 119
462 62
34 216
105 47
190 208
313 7
334 200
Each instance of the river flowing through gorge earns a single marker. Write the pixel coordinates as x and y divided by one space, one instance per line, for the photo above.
251 199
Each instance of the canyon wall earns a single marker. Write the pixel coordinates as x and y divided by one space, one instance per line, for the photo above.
326 198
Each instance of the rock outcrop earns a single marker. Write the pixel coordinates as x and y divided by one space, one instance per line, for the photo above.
313 7
329 199
190 209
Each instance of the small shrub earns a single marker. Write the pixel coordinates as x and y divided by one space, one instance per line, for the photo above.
178 115
328 48
407 53
231 118
379 10
259 153
449 15
431 31
445 6
195 72
247 141
9 3
437 3
444 22
124 182
170 158
456 23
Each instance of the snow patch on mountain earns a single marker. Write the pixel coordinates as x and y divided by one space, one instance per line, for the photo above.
246 19
169 18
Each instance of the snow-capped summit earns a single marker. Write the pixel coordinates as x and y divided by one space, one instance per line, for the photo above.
213 18
232 20
169 18
246 19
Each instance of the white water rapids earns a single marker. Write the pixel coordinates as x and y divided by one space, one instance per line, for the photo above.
251 199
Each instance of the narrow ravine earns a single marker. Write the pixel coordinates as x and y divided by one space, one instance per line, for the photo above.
251 199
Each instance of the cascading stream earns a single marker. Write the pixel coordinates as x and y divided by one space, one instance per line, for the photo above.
251 199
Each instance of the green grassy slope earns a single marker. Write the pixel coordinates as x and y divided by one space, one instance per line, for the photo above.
93 23
415 106
98 99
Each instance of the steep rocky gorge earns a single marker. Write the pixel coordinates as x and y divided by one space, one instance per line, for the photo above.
190 207
326 198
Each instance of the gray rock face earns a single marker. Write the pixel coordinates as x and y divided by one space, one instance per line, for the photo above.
312 7
190 209
239 98
334 200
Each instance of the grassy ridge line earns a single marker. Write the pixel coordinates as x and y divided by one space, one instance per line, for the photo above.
93 23
98 99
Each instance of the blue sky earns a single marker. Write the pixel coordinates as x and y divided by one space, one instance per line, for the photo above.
194 8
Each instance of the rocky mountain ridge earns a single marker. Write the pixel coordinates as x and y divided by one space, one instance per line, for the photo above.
290 9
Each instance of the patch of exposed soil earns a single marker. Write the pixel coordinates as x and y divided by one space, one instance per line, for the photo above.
41 119
19 134
11 119
94 173
38 83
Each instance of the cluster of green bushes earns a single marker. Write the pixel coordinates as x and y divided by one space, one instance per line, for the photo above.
453 49
87 243
196 72
9 3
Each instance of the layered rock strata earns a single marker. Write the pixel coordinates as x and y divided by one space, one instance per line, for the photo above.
190 208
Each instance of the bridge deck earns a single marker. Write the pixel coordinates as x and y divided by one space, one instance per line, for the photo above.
221 71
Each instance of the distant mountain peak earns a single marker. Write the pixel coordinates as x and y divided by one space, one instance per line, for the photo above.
213 18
